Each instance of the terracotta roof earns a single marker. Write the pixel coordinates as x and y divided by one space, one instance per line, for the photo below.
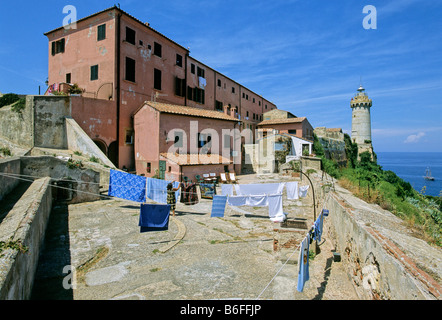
188 111
123 12
282 121
195 159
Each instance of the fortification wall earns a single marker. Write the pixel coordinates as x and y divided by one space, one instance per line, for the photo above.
383 260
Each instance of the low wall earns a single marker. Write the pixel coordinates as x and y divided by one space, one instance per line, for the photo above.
47 166
9 166
377 266
26 223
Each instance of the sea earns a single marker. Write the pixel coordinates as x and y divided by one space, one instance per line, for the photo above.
411 167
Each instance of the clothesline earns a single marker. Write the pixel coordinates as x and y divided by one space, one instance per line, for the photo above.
15 176
295 250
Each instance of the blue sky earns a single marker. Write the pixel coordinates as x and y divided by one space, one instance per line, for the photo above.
306 56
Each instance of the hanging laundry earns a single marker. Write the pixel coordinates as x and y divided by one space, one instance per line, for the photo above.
237 190
127 186
257 201
303 263
275 208
156 190
292 190
227 189
154 217
325 212
189 194
303 191
207 190
237 201
318 228
259 189
218 206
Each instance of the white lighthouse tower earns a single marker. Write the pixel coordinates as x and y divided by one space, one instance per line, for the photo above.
361 121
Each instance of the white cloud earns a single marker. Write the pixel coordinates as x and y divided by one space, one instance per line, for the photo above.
414 137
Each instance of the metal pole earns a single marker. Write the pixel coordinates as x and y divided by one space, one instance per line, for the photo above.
317 250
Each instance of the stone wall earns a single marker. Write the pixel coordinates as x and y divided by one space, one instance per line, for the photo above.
377 259
48 166
17 127
9 166
49 122
26 223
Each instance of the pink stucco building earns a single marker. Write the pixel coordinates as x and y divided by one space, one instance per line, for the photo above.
183 141
287 123
114 56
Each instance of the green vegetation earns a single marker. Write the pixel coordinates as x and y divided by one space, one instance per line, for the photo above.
5 151
94 159
71 164
366 180
18 104
12 244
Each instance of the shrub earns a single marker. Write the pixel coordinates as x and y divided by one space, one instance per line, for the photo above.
8 99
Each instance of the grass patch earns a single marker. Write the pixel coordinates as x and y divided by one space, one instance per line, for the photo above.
101 253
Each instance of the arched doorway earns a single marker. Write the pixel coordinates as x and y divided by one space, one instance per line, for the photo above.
101 145
112 153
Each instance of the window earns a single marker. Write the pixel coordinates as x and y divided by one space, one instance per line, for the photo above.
179 60
178 141
227 141
247 114
247 97
196 94
200 72
292 131
233 89
180 87
189 93
130 69
218 105
266 106
130 35
243 95
101 34
219 83
192 68
68 78
203 139
253 100
94 73
157 49
199 96
157 79
129 137
58 46
149 167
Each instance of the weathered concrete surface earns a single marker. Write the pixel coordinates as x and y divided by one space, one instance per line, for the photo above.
215 258
9 166
78 140
17 127
26 222
385 258
48 166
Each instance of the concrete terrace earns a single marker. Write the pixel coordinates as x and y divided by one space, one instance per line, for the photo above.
198 258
